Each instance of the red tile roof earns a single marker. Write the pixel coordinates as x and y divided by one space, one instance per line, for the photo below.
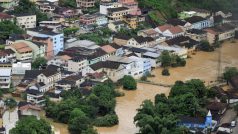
5 16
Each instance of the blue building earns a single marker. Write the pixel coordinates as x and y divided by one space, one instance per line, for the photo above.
57 38
195 122
198 22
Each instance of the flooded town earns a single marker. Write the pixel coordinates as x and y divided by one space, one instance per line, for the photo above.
118 67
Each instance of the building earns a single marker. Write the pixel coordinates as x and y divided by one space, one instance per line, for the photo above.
22 50
70 82
131 20
220 33
5 17
170 31
198 22
48 42
148 33
101 19
132 5
28 109
196 34
88 19
117 26
26 21
196 122
48 78
217 108
57 38
116 14
19 68
7 55
35 97
8 4
46 6
116 67
120 39
178 22
5 78
84 4
55 25
140 41
105 5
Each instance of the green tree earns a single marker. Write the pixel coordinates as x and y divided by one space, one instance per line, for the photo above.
70 31
229 73
165 72
38 62
165 59
10 102
30 125
129 82
7 28
68 3
205 46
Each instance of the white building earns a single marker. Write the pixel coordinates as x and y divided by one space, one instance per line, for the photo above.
105 5
26 20
5 78
19 68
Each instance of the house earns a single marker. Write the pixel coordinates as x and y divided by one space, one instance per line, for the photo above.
224 14
7 55
109 50
84 4
105 5
148 33
54 96
217 108
101 19
5 17
121 39
176 50
178 22
153 57
25 21
55 25
133 20
46 6
19 68
88 19
140 41
196 122
116 14
198 22
117 26
70 82
202 12
220 32
196 34
35 97
61 61
49 51
183 42
22 50
15 37
8 4
28 109
116 67
48 77
97 76
170 31
5 78
132 5
57 38
81 43
66 13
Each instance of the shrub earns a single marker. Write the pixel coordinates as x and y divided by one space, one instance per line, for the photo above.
106 121
182 63
143 78
129 82
165 72
224 99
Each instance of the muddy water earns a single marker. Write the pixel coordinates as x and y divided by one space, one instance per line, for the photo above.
127 105
202 65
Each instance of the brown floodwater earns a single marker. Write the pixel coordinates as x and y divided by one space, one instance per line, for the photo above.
127 105
202 65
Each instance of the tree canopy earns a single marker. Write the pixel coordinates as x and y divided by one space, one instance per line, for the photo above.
229 73
30 125
7 28
38 62
129 82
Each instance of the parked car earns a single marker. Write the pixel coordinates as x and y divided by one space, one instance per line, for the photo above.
224 129
233 123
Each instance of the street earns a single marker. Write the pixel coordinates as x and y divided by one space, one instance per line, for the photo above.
229 116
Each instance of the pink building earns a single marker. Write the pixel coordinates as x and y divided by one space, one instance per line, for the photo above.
132 5
49 45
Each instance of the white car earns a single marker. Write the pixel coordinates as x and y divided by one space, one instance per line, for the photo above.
233 123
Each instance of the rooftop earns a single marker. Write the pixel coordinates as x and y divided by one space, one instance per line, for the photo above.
195 19
5 72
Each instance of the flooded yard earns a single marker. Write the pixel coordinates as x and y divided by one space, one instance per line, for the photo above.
202 65
127 105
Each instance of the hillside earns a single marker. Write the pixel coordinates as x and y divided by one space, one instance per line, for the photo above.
169 8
